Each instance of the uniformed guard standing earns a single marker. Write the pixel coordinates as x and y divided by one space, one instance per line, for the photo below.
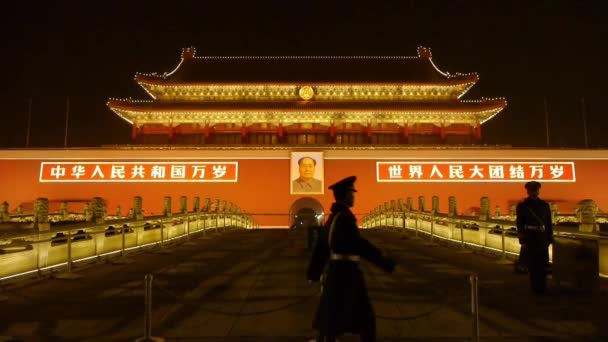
535 233
344 306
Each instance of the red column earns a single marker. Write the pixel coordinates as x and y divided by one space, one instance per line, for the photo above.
442 132
472 134
406 132
243 133
171 132
478 133
207 133
332 133
197 132
280 132
134 131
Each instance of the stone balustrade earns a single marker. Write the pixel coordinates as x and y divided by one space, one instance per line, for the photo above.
497 233
44 243
586 218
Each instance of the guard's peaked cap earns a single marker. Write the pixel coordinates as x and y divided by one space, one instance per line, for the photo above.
532 185
347 184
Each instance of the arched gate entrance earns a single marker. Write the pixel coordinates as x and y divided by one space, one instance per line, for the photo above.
306 212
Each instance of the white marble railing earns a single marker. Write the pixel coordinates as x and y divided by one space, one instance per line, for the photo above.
499 236
62 245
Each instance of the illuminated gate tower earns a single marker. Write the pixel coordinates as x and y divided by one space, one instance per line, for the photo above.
306 100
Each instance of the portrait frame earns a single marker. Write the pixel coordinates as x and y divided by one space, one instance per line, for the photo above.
296 183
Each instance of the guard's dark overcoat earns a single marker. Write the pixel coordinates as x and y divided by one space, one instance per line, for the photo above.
345 305
535 212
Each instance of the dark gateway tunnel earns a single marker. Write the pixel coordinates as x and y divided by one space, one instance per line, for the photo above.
306 212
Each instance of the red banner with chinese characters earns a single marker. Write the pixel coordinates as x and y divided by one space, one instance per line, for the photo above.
138 171
474 171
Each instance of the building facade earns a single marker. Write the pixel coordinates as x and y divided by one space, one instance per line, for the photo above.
270 134
260 181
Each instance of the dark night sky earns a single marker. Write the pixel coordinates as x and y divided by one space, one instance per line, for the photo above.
90 51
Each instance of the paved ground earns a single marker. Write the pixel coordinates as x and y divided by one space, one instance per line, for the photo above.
250 286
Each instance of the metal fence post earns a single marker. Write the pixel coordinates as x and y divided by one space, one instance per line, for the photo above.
431 241
504 247
148 307
122 250
136 230
187 228
68 273
188 241
148 311
432 226
123 257
204 226
503 259
463 246
69 265
163 250
94 235
162 234
38 254
487 232
474 281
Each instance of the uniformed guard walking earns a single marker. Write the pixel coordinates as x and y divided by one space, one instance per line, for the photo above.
344 306
535 233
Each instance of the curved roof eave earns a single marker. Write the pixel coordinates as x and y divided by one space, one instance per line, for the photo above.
143 79
466 107
193 69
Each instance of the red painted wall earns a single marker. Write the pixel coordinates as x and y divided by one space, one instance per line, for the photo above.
263 185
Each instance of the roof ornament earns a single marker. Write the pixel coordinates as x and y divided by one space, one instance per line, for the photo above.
424 52
189 52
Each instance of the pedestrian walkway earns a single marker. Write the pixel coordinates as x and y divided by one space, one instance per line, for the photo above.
251 286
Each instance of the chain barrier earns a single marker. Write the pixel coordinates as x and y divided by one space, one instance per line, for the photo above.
474 284
201 302
235 314
243 314
427 313
412 317
287 306
438 293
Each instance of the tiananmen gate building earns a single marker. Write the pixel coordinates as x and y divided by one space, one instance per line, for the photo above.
271 133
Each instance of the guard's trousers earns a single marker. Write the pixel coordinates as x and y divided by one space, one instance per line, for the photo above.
537 268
